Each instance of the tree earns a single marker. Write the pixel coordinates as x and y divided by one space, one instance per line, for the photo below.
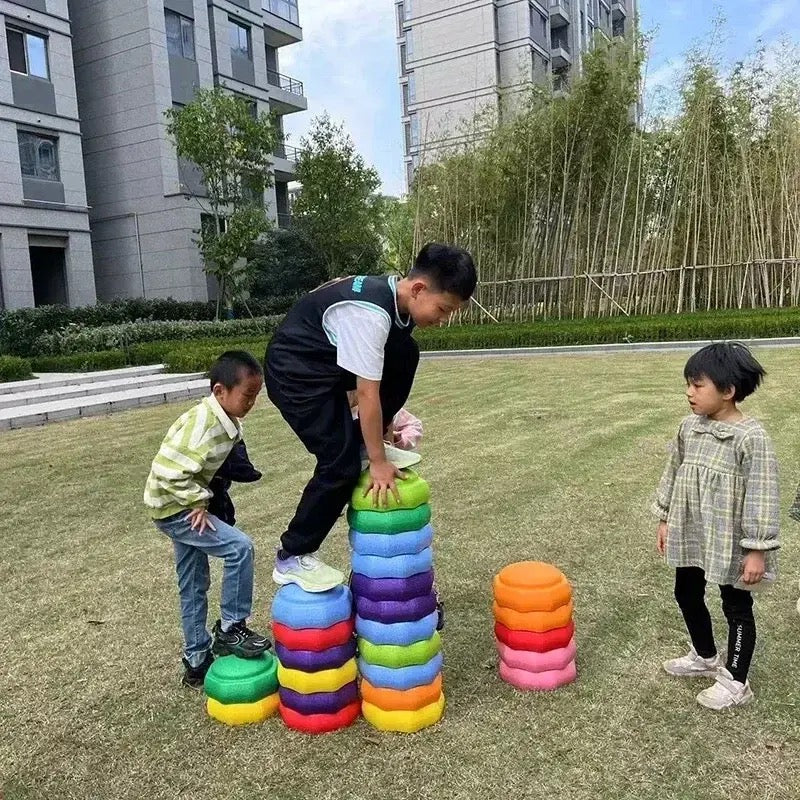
337 209
231 147
398 225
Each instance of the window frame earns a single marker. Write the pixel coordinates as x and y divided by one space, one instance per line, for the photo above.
237 27
184 24
25 34
37 140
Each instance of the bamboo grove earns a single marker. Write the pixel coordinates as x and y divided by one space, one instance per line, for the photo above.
573 208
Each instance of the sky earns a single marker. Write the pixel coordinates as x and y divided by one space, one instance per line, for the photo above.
348 61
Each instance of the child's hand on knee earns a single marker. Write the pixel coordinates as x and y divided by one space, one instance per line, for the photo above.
199 520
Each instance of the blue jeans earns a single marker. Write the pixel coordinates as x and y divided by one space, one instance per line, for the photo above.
191 563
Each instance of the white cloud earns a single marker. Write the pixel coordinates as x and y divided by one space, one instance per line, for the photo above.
773 15
678 9
348 63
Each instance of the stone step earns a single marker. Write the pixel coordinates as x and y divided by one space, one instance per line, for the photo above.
45 393
52 379
94 405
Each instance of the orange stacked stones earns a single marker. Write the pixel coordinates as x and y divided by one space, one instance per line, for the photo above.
534 627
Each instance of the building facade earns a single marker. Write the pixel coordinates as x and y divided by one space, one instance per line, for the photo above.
94 203
45 249
462 64
133 60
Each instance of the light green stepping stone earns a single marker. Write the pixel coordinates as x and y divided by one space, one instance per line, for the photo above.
405 519
414 492
397 656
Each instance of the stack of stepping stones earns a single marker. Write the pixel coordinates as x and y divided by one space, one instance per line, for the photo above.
316 653
533 626
400 657
242 690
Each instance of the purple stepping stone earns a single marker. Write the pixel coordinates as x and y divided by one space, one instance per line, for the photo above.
392 588
388 611
315 660
319 702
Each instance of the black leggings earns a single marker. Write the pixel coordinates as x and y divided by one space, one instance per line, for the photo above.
737 605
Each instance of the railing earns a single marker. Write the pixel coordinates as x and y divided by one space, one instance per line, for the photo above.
285 9
286 151
559 43
565 4
284 220
291 85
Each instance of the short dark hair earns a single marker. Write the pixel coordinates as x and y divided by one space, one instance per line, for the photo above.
727 364
449 268
230 367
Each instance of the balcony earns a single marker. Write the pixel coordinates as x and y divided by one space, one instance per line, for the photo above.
560 11
619 10
560 55
286 94
285 162
281 22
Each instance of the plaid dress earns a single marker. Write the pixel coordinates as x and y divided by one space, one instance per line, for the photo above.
719 497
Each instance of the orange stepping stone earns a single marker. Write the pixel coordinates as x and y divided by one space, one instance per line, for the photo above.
535 621
531 586
405 700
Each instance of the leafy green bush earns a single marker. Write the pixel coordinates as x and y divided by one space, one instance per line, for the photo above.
194 357
78 339
14 369
81 362
21 327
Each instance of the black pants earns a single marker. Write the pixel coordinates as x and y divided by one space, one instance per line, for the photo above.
737 605
326 428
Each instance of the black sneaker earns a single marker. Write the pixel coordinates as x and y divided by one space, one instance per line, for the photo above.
239 640
193 677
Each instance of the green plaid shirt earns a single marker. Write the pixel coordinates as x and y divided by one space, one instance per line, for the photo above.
719 497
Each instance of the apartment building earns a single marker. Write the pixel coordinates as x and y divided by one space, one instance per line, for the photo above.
45 249
465 62
133 60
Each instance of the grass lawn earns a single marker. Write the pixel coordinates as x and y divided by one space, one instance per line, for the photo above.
549 458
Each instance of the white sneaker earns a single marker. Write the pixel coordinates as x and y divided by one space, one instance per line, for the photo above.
693 666
725 693
309 572
402 459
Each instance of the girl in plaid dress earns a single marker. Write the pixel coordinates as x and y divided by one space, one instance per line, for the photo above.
718 506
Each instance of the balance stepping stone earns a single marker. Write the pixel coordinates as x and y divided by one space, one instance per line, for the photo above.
316 653
533 626
242 691
399 647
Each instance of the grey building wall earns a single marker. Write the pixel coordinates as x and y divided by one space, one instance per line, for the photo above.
146 206
35 212
464 64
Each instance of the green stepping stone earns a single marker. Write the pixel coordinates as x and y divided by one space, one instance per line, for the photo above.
404 519
414 492
397 656
242 680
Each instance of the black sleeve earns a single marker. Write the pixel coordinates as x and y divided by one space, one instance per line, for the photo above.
237 466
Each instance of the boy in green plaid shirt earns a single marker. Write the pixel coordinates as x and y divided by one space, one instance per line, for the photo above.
718 506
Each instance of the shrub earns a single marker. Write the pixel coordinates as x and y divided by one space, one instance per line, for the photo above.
13 368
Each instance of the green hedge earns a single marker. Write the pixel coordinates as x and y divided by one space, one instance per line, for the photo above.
767 323
196 355
79 339
19 329
15 369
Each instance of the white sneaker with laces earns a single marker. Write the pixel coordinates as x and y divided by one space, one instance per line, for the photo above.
309 572
725 693
693 666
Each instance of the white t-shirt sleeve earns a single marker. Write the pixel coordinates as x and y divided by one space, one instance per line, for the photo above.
359 331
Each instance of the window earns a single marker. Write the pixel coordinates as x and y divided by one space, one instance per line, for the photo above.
409 44
240 40
405 100
180 35
400 19
412 88
538 23
27 53
403 66
287 9
414 130
407 7
38 156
